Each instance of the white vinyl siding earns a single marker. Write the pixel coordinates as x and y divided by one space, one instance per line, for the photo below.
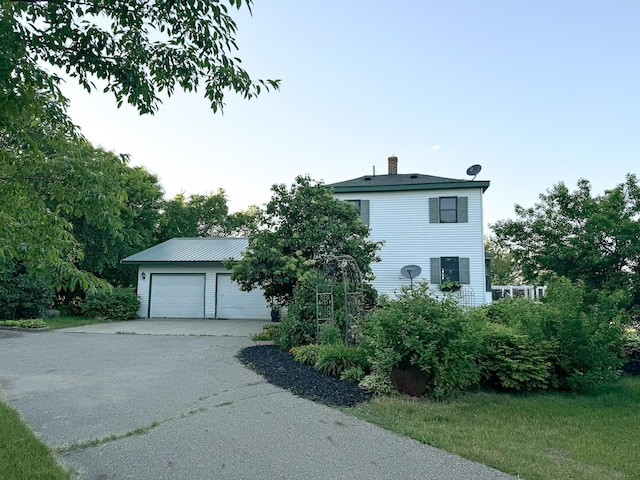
401 220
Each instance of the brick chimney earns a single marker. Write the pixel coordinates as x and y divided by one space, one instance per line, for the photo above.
393 165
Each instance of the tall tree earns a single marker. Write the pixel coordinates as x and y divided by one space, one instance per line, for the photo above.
504 269
592 239
204 216
244 222
139 214
301 224
140 50
40 196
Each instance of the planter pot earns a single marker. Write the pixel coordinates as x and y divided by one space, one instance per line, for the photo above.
275 315
409 379
632 367
450 289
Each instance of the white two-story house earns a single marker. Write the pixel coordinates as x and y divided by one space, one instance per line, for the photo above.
434 223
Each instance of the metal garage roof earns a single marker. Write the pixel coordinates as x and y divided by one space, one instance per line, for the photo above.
204 249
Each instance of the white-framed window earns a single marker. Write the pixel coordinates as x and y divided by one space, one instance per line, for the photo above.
449 209
356 204
362 207
450 269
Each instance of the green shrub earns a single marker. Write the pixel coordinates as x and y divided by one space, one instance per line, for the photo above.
378 383
578 342
306 353
631 343
521 314
371 297
589 343
352 374
516 352
329 334
295 331
69 302
299 325
25 323
23 295
632 352
269 332
436 336
330 359
513 360
114 304
333 359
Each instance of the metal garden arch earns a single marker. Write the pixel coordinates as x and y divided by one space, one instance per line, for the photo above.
339 288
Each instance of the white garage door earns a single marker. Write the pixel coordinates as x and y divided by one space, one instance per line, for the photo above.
234 303
177 296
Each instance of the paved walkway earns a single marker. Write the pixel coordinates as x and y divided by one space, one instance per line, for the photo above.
173 406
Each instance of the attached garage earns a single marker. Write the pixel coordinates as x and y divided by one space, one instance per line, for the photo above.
186 278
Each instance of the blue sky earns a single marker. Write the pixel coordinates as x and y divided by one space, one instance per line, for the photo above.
537 92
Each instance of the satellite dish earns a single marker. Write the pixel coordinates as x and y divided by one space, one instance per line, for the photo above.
410 272
474 170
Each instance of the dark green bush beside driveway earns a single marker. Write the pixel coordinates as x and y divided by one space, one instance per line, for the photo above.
114 304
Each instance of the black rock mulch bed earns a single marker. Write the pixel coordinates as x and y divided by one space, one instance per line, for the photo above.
279 368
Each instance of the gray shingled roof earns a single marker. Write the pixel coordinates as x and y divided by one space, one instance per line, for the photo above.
406 181
209 249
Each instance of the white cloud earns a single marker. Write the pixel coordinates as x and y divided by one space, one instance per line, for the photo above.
436 147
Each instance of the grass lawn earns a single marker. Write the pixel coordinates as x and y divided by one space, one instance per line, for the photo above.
22 454
69 321
537 436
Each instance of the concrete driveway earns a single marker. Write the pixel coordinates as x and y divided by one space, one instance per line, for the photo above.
172 326
168 406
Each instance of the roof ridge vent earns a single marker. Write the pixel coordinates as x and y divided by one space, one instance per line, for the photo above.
413 175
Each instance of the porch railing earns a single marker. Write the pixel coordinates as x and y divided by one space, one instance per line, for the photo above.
533 292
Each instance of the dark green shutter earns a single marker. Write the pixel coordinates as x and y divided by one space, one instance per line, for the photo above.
463 266
364 211
435 271
487 272
463 209
434 210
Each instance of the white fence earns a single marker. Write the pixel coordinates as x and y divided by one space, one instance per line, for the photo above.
532 292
